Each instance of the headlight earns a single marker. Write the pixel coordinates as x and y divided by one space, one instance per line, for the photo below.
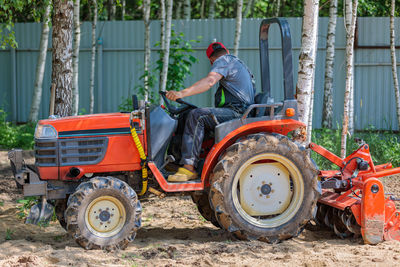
45 131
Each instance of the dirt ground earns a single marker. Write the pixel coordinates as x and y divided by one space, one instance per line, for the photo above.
174 234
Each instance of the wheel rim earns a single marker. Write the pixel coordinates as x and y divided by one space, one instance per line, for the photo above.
105 216
268 201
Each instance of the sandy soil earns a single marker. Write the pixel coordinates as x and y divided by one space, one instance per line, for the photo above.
174 234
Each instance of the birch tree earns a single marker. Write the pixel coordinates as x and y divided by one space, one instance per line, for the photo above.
327 112
278 8
113 9
93 56
394 61
40 67
350 28
75 59
249 7
123 9
164 72
238 27
211 10
146 20
187 9
202 7
178 9
61 75
307 64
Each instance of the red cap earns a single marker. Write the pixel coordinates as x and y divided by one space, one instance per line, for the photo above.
214 46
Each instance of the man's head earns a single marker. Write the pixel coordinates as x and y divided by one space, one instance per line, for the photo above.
215 50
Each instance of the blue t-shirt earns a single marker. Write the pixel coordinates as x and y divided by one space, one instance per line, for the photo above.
237 80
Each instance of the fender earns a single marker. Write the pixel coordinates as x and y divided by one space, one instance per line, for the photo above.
274 126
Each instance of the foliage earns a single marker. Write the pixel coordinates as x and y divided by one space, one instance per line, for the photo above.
15 136
9 234
12 11
384 145
26 205
180 62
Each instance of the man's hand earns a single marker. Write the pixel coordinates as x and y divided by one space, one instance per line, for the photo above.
174 95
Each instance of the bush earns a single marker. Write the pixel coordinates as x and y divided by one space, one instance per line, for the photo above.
384 145
15 136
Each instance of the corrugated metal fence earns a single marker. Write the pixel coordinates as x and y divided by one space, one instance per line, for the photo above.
120 57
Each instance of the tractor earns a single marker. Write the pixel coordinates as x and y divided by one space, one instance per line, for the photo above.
256 183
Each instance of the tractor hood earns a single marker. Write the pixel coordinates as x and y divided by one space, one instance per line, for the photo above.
95 124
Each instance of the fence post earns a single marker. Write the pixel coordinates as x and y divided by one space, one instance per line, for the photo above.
13 85
99 75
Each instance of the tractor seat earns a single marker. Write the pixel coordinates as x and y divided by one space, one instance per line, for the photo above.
263 98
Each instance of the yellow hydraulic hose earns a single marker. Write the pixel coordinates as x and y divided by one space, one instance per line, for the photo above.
143 158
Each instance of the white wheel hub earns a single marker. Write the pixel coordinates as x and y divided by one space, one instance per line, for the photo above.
265 189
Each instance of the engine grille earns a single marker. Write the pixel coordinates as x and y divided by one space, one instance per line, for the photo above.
46 152
82 151
74 151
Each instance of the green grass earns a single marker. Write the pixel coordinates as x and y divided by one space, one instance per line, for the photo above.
9 234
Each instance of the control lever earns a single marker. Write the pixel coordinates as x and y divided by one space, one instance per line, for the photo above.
168 160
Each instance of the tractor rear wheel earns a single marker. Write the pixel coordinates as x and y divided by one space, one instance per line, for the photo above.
203 205
103 213
264 187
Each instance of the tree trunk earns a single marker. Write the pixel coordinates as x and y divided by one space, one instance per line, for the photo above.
394 62
146 19
61 75
164 72
93 60
238 27
307 64
113 9
350 20
75 59
123 9
211 11
162 25
203 3
248 8
327 113
178 9
187 8
310 118
40 67
278 8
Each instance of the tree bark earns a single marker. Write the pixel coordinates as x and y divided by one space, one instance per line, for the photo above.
394 62
146 20
40 67
327 113
238 27
113 9
178 9
75 59
123 9
278 8
162 25
211 10
350 20
61 75
307 64
164 72
187 9
203 3
248 8
93 60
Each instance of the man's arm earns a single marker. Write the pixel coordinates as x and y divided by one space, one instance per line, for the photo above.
197 88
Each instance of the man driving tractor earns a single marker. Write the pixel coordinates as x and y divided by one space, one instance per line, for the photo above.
235 93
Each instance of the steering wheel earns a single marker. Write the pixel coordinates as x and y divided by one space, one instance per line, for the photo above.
176 110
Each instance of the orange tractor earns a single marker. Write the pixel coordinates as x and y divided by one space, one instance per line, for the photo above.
255 181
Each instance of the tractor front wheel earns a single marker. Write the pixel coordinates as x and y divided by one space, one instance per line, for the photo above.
264 187
103 213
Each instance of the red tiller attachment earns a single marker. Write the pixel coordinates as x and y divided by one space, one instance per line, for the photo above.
353 199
